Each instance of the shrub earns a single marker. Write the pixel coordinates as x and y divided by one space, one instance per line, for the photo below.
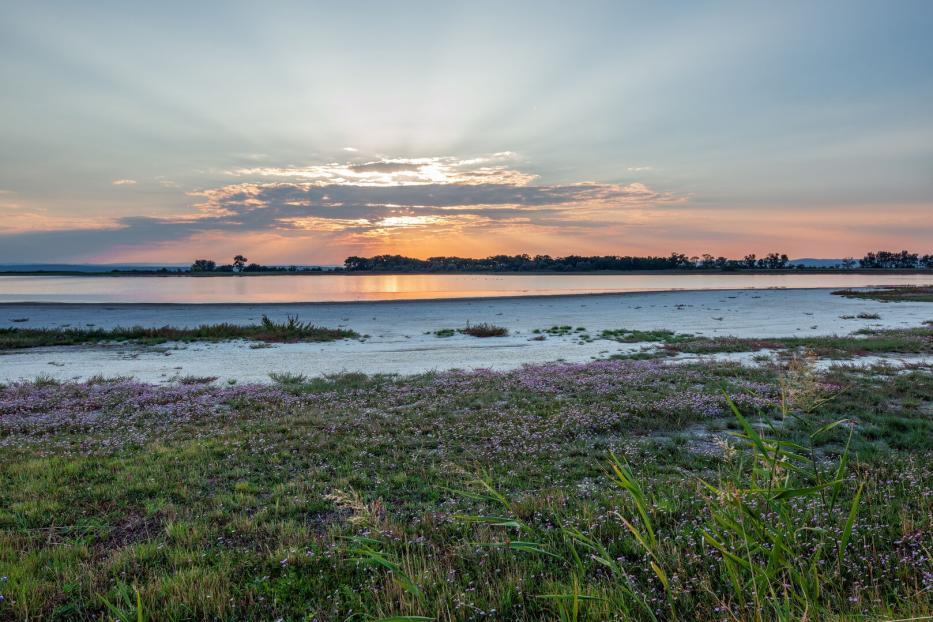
484 330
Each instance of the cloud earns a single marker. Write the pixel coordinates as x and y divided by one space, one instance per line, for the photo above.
385 167
491 169
364 201
123 182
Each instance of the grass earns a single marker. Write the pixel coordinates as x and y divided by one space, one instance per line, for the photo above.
861 316
556 331
473 330
893 293
608 490
290 331
624 335
484 330
867 341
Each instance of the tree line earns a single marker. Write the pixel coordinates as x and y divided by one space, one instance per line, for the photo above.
241 264
575 263
578 263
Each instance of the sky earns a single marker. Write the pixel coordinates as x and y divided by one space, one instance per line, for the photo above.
307 132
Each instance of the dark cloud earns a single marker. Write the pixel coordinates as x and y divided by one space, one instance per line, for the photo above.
385 167
252 207
431 195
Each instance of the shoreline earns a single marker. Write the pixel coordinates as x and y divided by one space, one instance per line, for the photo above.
447 299
398 335
696 271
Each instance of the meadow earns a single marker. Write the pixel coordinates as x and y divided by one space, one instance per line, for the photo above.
616 489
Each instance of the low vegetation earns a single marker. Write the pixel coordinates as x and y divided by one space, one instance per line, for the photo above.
624 335
290 331
606 490
484 330
900 293
473 330
867 341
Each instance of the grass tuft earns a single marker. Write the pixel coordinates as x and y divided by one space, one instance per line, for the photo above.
484 330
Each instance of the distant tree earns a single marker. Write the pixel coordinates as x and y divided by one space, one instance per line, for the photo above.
888 259
848 263
239 262
773 261
203 265
578 263
679 260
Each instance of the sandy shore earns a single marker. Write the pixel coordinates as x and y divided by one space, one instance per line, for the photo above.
399 332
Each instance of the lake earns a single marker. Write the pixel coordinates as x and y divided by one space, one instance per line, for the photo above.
350 287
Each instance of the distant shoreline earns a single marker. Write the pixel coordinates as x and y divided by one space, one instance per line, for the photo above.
698 271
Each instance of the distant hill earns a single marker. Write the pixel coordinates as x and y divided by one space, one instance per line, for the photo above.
84 267
810 262
109 267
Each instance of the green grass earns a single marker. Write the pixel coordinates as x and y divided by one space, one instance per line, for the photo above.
867 341
289 331
625 335
464 497
556 331
473 330
894 293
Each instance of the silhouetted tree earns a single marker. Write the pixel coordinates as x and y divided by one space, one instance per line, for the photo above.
239 262
578 263
888 259
203 265
773 261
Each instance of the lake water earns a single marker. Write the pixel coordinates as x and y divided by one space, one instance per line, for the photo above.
346 287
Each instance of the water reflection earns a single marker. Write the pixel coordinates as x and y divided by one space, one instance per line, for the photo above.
343 287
